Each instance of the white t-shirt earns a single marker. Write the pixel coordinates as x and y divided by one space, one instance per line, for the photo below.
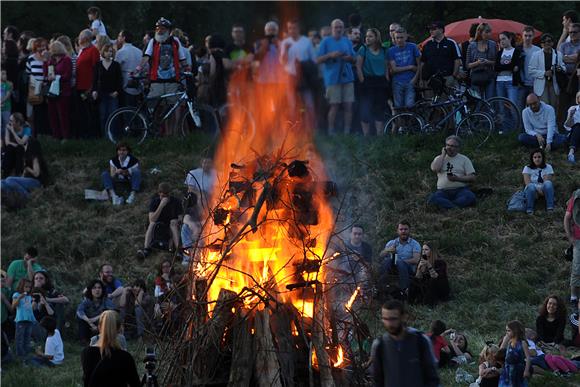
535 174
99 26
196 178
54 347
300 50
506 58
532 345
460 165
576 119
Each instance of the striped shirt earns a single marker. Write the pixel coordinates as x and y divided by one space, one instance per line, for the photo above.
34 67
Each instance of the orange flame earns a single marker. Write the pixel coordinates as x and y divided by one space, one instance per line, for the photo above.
339 357
273 251
348 305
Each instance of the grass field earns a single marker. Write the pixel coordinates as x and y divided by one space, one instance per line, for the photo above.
501 265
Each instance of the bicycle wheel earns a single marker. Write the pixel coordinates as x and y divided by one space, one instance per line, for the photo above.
475 128
432 114
208 123
404 123
127 124
506 116
237 119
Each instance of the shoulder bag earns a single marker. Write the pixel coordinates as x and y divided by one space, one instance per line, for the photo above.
481 76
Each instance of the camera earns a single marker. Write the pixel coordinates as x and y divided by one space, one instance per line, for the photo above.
36 297
150 359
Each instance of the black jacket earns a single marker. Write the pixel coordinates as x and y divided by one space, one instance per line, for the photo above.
517 60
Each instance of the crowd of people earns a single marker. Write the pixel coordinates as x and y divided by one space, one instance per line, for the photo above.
50 87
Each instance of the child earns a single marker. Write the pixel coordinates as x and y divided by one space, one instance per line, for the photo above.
517 357
546 362
24 303
97 26
489 369
6 99
53 347
439 343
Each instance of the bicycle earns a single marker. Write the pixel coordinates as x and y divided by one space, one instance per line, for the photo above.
134 124
476 126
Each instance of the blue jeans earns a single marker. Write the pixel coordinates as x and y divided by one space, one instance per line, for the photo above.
107 106
22 338
22 185
135 179
532 142
539 361
452 198
486 92
405 271
186 236
507 90
523 94
403 94
532 194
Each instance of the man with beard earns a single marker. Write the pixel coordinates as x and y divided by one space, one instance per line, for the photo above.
113 286
167 61
402 357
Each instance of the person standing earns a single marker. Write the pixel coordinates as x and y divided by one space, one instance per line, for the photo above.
86 61
403 356
569 52
337 54
34 68
528 50
128 57
60 65
440 55
542 69
480 58
404 59
454 173
507 67
107 85
572 230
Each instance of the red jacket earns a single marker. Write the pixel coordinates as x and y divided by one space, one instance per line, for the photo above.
63 68
155 59
86 61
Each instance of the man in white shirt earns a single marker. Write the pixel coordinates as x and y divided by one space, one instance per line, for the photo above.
528 50
540 125
201 181
129 58
298 57
454 173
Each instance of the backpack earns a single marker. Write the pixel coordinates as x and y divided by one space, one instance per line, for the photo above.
517 203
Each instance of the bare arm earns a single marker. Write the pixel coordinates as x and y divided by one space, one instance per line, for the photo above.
34 171
153 216
527 178
437 163
359 72
568 227
528 360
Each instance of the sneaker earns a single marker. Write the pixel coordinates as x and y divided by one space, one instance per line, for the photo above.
117 200
571 158
558 373
131 198
550 209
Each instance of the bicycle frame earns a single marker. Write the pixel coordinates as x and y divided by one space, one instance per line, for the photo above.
182 97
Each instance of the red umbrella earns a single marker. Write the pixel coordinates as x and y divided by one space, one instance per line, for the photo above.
459 30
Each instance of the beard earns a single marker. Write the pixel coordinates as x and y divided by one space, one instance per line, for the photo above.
395 331
160 38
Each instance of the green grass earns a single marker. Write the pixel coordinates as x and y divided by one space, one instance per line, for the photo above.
501 265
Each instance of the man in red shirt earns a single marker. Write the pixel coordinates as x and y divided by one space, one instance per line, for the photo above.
88 56
572 229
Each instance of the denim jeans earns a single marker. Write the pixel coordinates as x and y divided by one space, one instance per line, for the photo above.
532 194
22 185
186 236
452 198
532 142
135 179
486 92
507 90
523 94
403 94
405 271
107 106
22 339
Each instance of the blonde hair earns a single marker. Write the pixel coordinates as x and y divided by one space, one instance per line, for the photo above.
30 44
65 40
480 29
487 351
108 330
57 48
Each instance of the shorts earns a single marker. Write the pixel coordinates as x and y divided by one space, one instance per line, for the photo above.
341 93
575 273
158 89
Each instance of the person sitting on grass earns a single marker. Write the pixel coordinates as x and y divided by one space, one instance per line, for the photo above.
438 342
23 268
113 287
138 308
517 358
454 173
164 209
539 120
14 140
34 175
53 348
55 299
538 176
572 125
459 354
551 322
166 298
107 364
489 369
541 362
431 283
89 311
120 336
122 168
